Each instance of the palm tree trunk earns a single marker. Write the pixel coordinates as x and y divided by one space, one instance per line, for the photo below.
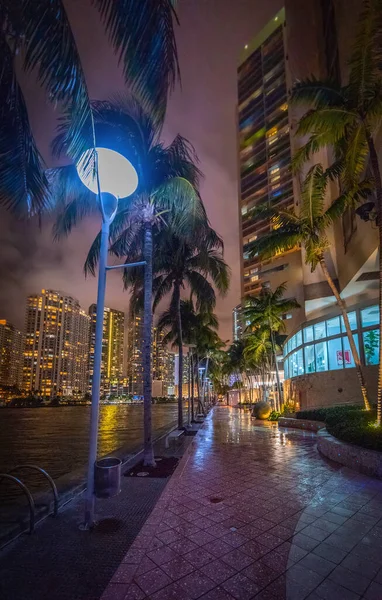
349 333
378 187
239 385
205 380
148 451
279 390
192 389
180 350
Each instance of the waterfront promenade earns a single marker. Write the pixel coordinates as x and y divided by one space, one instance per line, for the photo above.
250 512
255 512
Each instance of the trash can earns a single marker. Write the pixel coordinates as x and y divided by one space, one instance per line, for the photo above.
107 477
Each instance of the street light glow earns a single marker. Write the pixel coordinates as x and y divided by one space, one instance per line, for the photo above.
117 176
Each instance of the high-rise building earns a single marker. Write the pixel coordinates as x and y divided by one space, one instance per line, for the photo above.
11 355
265 155
135 354
171 372
163 365
237 325
113 347
56 345
306 39
186 366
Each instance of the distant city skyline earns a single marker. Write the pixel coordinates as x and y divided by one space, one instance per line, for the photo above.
53 353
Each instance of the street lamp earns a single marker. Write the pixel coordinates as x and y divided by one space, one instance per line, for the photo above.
111 176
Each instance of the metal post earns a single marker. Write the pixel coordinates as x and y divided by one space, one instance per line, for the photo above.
96 384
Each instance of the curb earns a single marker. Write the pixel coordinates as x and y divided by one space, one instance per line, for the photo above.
314 426
367 462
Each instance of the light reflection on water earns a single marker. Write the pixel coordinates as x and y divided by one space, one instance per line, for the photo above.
57 438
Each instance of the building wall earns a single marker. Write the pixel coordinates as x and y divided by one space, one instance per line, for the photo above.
318 390
113 347
11 355
135 354
56 344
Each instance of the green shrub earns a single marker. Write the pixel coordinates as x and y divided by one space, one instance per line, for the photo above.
288 409
274 416
357 427
321 414
349 423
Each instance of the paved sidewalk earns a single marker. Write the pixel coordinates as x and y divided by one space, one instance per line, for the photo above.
254 512
60 562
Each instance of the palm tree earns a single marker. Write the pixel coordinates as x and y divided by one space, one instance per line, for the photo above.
347 118
218 371
197 264
167 193
267 310
37 37
198 330
236 362
260 350
309 228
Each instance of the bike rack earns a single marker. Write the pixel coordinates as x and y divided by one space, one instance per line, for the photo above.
28 495
48 477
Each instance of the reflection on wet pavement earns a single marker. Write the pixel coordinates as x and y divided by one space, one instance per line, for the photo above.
255 512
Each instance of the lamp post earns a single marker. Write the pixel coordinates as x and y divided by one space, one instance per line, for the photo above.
111 176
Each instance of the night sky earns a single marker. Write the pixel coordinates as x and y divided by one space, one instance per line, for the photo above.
210 39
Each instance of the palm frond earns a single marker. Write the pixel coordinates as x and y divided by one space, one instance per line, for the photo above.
201 290
366 57
211 263
162 286
312 91
23 184
329 121
181 201
276 242
348 199
51 50
303 154
142 34
356 156
73 201
313 194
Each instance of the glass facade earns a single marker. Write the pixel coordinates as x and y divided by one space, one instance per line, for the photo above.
324 346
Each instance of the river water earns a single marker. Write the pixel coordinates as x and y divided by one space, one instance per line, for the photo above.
56 439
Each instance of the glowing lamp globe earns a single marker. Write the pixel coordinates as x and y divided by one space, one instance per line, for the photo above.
117 175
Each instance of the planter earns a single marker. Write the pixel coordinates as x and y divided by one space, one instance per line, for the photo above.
368 462
301 424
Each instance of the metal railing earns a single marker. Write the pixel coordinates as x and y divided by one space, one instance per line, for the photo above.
32 507
28 495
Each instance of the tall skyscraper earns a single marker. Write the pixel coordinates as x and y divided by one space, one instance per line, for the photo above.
308 39
56 345
11 354
135 354
163 362
265 155
113 347
237 325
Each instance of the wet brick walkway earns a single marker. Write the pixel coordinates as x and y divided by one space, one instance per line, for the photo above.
254 512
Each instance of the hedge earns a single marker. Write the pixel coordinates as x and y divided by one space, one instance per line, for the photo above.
348 423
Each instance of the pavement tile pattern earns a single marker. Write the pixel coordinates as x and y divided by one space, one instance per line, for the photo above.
255 512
